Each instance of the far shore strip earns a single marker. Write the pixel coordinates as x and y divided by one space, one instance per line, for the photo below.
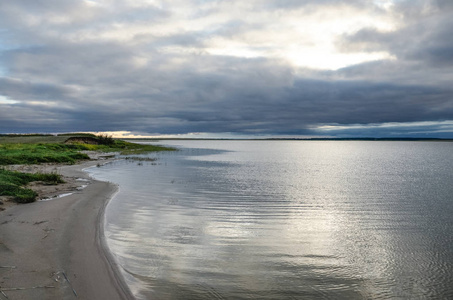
56 249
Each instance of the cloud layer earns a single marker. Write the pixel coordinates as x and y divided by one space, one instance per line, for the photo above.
254 67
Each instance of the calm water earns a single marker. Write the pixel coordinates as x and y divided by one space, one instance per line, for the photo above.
285 220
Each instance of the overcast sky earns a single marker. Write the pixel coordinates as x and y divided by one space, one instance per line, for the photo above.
256 67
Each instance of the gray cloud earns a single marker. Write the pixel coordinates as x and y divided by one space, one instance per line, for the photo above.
73 67
425 38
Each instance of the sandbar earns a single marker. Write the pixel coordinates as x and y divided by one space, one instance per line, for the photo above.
55 249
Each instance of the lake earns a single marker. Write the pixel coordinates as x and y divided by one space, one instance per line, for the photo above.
285 220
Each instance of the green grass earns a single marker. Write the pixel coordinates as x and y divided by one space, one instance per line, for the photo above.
132 148
26 149
11 154
11 184
32 139
123 147
37 149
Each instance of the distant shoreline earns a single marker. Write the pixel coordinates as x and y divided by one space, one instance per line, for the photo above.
295 139
62 137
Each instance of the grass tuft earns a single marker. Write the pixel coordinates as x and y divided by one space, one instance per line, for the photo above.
12 184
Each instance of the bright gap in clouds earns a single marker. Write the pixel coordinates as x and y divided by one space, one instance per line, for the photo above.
328 60
303 37
307 40
323 58
5 100
313 58
391 128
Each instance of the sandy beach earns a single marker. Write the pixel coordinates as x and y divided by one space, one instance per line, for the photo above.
55 249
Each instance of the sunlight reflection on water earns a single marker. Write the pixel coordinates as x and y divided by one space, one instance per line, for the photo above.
268 219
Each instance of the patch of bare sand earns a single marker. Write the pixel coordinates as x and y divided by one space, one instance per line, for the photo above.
55 249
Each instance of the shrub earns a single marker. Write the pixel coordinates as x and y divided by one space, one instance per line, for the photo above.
105 139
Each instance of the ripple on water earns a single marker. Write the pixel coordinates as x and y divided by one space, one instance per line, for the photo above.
286 220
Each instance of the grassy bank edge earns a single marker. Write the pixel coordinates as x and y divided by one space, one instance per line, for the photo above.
12 184
20 150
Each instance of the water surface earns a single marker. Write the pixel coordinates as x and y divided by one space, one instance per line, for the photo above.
285 220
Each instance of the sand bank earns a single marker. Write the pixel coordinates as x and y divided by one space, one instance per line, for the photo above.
55 249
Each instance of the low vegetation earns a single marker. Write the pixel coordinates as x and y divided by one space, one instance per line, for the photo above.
17 149
14 154
111 145
126 148
11 184
67 148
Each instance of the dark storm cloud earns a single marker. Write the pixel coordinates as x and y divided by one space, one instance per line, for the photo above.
76 66
295 108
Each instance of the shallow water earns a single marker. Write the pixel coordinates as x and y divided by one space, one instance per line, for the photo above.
285 220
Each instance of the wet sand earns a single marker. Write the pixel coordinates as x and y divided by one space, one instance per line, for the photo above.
55 249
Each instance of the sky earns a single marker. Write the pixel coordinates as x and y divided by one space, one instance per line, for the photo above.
212 68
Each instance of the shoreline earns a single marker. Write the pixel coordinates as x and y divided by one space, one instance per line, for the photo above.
56 249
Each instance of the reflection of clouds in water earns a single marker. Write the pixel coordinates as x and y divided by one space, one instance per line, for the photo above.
321 219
